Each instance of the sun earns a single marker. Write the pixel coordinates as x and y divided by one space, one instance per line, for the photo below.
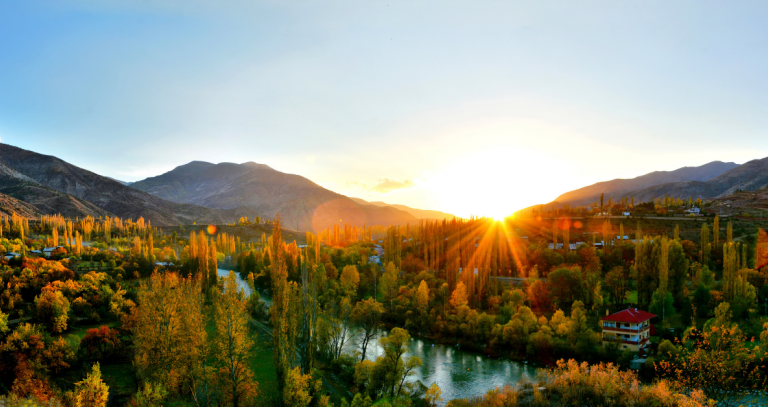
494 183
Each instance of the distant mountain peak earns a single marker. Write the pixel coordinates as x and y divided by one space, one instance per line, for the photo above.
623 187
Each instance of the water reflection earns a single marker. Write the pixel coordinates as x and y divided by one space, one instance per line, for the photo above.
459 373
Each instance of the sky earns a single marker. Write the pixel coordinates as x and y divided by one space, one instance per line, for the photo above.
472 108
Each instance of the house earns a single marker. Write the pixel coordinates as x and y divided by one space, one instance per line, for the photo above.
695 211
37 253
626 214
11 255
48 250
625 237
630 329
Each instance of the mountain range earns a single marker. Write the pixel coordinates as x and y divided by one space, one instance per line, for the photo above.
712 180
302 204
619 188
198 192
54 186
201 192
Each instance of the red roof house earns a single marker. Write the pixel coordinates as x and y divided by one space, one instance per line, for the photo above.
629 329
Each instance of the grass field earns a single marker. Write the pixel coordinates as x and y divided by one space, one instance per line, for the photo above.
263 368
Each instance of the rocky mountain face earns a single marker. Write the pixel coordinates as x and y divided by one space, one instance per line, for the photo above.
302 204
689 178
55 186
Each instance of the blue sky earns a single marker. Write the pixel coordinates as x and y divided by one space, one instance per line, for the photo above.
468 107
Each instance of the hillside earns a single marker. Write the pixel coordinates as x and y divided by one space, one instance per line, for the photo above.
751 175
10 205
624 187
36 178
418 213
302 204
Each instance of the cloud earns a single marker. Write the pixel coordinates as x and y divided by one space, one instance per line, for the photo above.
388 185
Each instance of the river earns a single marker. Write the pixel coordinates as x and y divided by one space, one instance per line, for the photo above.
459 373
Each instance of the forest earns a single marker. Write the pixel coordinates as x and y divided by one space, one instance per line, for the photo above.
110 311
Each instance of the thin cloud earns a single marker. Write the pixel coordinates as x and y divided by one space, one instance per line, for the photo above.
388 185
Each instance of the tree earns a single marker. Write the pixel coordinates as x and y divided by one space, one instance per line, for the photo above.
705 248
388 284
422 297
53 309
367 315
617 285
350 278
433 395
565 286
170 336
459 297
99 343
91 392
395 369
283 329
232 344
718 360
337 325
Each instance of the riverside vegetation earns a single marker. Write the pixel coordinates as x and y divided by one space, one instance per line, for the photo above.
125 314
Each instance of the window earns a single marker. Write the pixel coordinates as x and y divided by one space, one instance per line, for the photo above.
608 324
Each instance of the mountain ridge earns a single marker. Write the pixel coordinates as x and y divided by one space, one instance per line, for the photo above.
300 202
620 187
55 186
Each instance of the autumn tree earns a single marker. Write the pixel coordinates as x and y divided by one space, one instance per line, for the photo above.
459 297
232 344
350 278
92 391
283 329
170 334
718 360
394 368
53 309
367 315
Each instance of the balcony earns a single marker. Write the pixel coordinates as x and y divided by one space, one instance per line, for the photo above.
628 330
640 342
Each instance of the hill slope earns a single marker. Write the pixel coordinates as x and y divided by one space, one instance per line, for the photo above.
418 213
42 179
751 175
10 205
302 204
625 187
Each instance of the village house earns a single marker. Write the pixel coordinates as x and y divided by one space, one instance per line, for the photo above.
48 250
629 329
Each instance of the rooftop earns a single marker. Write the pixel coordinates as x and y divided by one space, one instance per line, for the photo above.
629 315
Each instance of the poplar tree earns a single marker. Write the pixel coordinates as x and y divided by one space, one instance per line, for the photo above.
729 232
716 231
704 252
554 234
282 347
232 344
677 232
567 236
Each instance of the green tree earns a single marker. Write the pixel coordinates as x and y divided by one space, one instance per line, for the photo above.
394 368
367 315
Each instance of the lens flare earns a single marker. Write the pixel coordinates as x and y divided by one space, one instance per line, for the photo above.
211 229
